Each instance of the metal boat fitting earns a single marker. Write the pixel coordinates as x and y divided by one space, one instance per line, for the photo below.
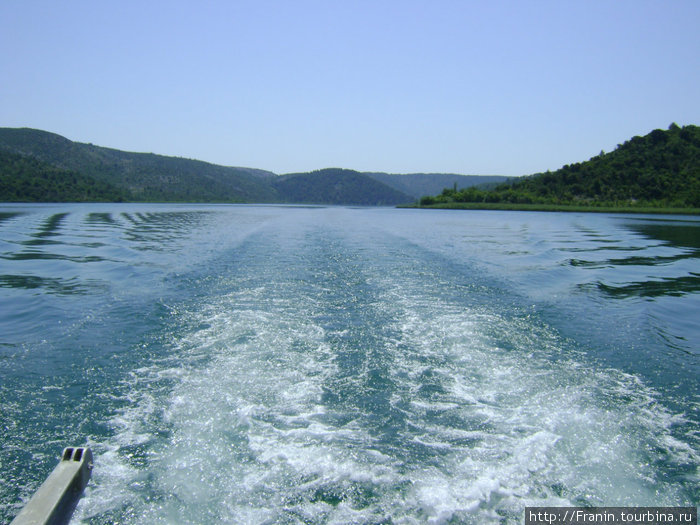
55 500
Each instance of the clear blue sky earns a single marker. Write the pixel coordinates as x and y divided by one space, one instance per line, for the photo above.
473 87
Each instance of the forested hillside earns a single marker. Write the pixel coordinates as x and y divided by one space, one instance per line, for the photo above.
26 179
661 169
148 177
338 186
143 176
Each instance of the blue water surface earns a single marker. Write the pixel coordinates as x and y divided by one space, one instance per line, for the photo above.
271 364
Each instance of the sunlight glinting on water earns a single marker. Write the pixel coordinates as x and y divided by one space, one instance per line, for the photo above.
289 365
430 410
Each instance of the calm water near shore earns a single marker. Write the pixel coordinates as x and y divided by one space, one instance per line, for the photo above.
270 364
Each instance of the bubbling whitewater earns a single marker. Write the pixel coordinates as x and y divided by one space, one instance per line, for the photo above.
344 366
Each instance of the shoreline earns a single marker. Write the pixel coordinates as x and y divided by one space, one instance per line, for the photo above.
553 208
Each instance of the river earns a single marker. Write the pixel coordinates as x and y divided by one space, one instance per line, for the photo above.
272 364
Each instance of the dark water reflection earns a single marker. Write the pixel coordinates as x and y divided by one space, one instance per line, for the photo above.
58 252
51 226
52 285
678 247
5 216
672 233
676 286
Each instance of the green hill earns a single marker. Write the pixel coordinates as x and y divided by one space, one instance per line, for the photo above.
26 179
338 186
131 176
661 169
143 176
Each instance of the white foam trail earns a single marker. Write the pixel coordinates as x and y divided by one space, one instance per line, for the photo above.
253 420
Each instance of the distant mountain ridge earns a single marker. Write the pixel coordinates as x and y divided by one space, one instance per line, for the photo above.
338 186
418 185
122 175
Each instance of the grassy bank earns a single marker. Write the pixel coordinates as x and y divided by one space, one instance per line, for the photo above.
554 207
